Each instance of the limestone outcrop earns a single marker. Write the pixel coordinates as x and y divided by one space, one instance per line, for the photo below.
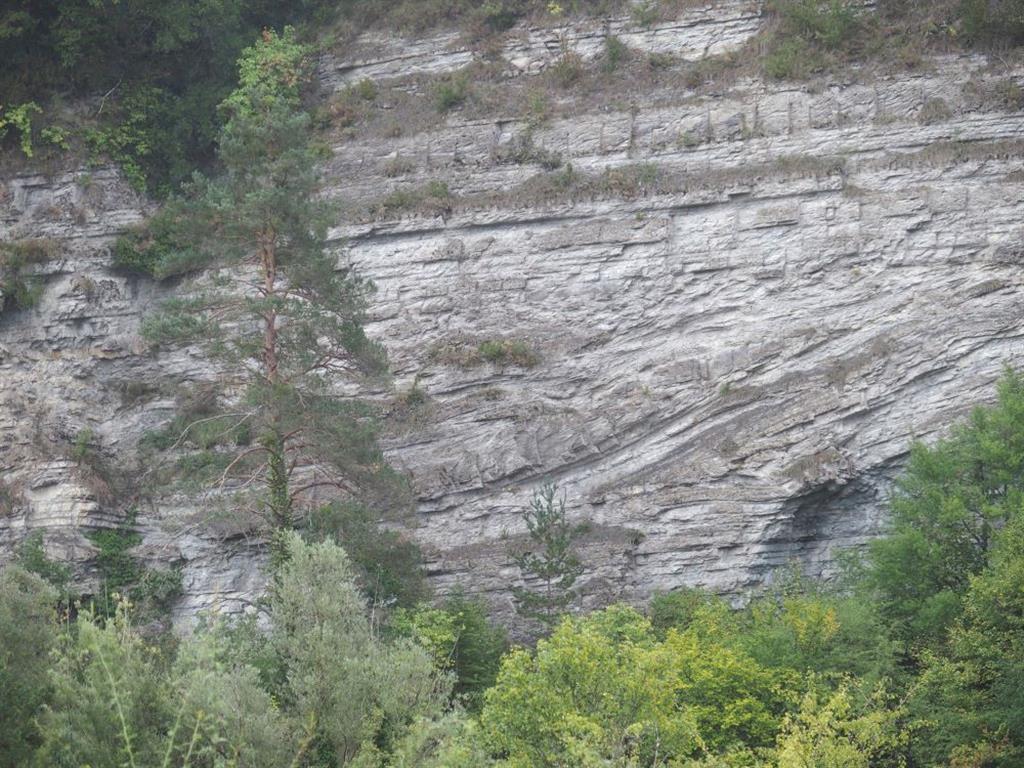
716 316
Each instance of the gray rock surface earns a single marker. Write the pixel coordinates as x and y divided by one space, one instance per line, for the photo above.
734 346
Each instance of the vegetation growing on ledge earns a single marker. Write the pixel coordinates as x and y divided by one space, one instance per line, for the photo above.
19 290
500 352
153 95
914 658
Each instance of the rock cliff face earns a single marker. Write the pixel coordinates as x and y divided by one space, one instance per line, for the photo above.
717 323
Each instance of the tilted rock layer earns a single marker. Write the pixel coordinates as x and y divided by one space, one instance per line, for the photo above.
720 323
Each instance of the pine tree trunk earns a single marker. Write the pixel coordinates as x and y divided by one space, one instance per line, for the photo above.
277 471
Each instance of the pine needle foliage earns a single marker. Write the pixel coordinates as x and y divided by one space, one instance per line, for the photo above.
550 562
266 302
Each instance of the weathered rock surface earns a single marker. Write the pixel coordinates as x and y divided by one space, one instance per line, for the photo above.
735 345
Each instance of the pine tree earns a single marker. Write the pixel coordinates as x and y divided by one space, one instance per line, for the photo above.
267 303
551 560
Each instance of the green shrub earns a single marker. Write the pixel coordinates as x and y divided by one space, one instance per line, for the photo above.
657 60
451 92
953 498
808 34
830 23
81 449
17 290
388 565
28 634
522 150
123 576
791 59
993 21
676 609
646 13
508 352
567 70
495 15
365 89
934 111
19 117
154 248
433 199
538 108
461 639
615 53
32 557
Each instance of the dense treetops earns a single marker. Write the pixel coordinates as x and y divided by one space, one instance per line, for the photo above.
152 72
870 676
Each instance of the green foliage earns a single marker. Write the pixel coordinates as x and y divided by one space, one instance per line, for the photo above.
56 136
28 632
971 698
615 53
433 198
19 118
646 12
999 21
508 352
568 69
809 34
159 67
549 559
299 323
801 676
837 731
677 609
452 741
353 690
388 565
461 639
82 447
122 576
830 23
118 702
599 691
18 290
32 557
953 497
317 687
451 92
522 150
604 690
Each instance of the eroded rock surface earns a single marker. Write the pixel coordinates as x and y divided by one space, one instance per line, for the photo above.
739 306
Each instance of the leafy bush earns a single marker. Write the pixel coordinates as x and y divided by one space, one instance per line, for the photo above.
829 23
123 576
28 633
32 557
948 506
433 198
159 67
388 566
615 53
993 21
460 638
809 34
568 69
933 111
316 686
17 290
19 118
508 352
451 92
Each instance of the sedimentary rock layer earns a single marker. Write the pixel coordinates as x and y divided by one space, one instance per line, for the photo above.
720 315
